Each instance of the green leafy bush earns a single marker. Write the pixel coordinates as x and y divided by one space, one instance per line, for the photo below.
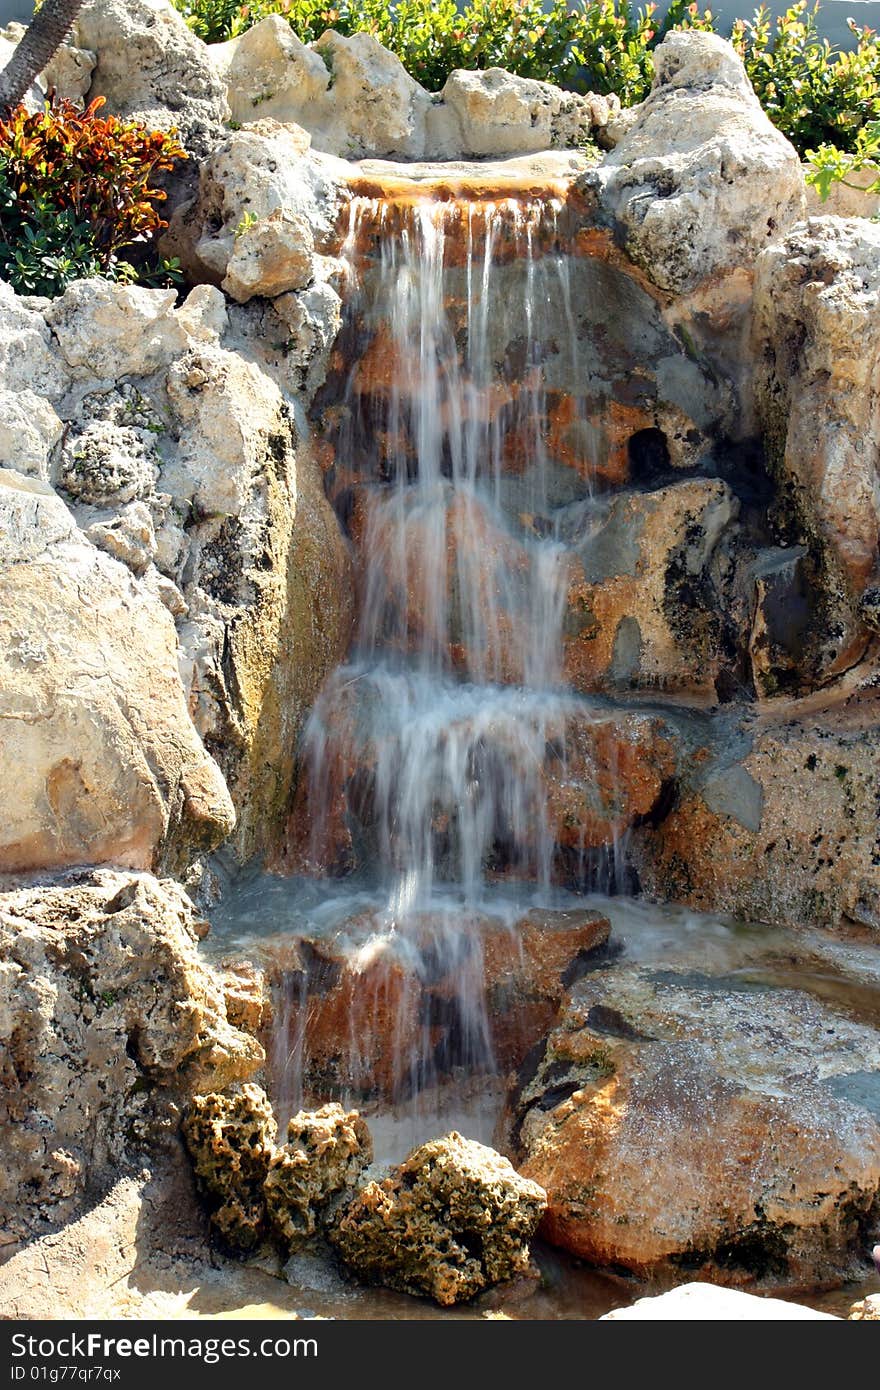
830 165
77 196
812 91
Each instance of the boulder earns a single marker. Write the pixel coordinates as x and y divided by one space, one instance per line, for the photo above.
682 1121
29 432
866 1310
777 823
645 598
99 754
108 331
263 202
816 340
151 67
699 181
495 113
269 72
709 1303
108 1018
29 359
453 1219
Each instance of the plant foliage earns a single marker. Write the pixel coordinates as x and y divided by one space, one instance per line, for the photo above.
77 195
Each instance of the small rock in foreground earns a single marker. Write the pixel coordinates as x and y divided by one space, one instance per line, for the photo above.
708 1303
452 1219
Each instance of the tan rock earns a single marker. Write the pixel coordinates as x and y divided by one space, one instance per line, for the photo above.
699 180
325 1153
110 331
497 113
263 202
644 601
782 831
152 67
453 1219
817 334
108 1016
29 431
866 1310
231 1140
268 71
101 758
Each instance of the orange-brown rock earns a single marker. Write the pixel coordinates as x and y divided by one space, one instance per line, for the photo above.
644 603
679 1124
783 828
376 1011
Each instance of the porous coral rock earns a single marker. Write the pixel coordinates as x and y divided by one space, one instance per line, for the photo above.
452 1219
325 1153
231 1140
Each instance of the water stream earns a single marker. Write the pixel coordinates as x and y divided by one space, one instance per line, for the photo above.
426 818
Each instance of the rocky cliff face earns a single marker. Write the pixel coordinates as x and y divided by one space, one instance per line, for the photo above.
182 518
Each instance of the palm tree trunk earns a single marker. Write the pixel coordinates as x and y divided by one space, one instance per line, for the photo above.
47 31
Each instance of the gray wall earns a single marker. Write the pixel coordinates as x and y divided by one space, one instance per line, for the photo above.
15 9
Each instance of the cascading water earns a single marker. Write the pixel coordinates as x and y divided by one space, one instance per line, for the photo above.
438 759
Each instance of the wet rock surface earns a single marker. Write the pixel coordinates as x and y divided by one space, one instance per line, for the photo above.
454 1218
686 1122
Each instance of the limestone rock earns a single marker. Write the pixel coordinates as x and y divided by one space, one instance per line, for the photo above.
709 1303
700 180
269 72
110 331
326 1151
373 106
816 339
231 1140
28 359
108 1017
263 201
32 518
128 536
675 1118
451 1220
29 431
497 114
100 757
151 66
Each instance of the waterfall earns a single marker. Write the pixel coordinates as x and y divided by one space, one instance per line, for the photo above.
437 757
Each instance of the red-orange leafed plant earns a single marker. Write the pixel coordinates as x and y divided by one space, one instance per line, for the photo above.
97 168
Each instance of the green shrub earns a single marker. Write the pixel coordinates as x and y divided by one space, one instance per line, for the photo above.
813 92
77 196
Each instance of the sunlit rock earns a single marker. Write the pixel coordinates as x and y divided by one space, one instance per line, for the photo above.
453 1219
681 1121
112 1017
